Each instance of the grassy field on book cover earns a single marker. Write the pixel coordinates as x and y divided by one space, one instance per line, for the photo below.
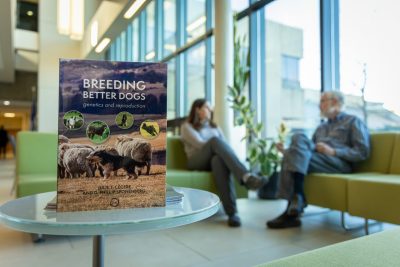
112 135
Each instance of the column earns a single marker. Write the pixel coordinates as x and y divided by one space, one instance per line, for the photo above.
223 33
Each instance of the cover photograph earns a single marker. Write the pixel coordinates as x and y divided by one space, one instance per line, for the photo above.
111 135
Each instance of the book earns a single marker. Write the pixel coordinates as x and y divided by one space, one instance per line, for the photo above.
112 135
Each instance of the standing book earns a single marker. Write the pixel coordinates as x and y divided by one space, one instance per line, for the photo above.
112 135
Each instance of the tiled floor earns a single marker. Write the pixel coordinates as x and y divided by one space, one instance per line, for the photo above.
206 243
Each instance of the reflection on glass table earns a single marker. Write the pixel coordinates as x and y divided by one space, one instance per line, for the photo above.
27 214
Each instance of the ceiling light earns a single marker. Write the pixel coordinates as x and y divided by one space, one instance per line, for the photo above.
6 103
70 18
94 31
103 44
63 16
195 24
9 115
150 55
134 8
29 13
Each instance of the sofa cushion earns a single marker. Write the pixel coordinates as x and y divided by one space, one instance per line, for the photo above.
29 184
36 153
326 190
375 197
330 190
200 180
379 249
192 179
176 157
381 154
395 164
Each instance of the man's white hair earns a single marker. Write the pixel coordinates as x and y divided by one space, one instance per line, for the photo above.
338 96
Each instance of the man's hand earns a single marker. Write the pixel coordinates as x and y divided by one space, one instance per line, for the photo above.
325 149
280 147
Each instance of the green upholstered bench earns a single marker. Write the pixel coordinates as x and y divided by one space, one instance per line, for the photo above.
36 163
179 175
371 192
381 249
36 170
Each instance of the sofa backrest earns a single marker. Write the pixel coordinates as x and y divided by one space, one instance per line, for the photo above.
176 156
395 164
381 153
36 153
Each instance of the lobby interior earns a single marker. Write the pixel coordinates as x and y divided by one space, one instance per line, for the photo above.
294 49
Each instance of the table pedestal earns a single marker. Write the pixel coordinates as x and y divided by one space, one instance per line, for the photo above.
98 251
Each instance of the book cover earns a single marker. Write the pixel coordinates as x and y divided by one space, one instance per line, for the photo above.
112 135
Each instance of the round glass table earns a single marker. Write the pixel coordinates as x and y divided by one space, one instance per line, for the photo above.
27 214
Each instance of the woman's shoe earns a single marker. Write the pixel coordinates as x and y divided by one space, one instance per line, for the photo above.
234 221
253 182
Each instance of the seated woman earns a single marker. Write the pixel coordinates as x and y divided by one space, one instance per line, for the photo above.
207 150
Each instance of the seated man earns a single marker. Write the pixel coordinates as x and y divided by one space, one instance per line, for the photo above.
337 143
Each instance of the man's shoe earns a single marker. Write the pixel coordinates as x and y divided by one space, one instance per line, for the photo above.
254 182
296 206
284 221
234 221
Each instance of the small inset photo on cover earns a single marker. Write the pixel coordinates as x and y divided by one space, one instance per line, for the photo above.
98 132
73 120
149 129
124 120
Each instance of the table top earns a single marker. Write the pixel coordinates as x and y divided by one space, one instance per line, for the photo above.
27 214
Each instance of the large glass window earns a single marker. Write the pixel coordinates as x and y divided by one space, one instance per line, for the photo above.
135 39
169 26
118 48
239 5
369 58
195 64
123 46
150 32
196 19
171 88
292 62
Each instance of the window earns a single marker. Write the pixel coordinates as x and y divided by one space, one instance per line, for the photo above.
369 58
169 27
292 62
239 5
171 89
196 19
123 46
150 32
290 72
195 64
135 39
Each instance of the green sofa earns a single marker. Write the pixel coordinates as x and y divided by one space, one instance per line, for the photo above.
36 170
371 192
36 163
179 175
381 249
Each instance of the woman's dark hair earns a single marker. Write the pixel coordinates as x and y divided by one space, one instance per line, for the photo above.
192 118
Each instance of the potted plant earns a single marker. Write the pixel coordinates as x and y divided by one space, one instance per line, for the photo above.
262 155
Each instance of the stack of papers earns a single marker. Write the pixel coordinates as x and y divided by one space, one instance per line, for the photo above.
171 196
